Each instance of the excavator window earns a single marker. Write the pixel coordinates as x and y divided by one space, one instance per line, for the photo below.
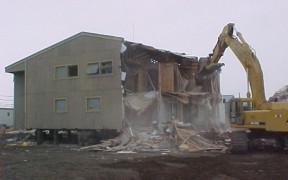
247 105
233 111
236 110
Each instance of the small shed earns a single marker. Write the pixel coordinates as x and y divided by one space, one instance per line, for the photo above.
6 117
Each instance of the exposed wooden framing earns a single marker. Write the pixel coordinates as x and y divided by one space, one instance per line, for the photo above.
171 75
159 96
142 80
149 78
166 77
159 78
179 78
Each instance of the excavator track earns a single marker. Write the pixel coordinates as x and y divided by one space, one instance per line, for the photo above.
239 142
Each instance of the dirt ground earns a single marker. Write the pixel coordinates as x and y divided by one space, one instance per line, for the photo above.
69 162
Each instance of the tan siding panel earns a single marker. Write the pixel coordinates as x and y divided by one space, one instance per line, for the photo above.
43 88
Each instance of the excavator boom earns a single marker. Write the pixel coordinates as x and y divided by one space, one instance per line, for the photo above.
246 57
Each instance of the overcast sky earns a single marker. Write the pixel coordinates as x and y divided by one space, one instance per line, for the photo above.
187 26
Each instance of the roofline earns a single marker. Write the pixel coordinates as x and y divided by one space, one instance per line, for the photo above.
62 42
6 108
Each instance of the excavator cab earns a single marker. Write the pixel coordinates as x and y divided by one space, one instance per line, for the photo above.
237 107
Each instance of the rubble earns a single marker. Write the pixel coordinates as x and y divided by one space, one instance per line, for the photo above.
192 141
174 136
177 136
10 138
280 95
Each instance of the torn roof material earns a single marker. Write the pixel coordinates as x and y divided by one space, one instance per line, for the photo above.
138 50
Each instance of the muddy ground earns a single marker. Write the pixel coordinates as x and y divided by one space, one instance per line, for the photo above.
69 162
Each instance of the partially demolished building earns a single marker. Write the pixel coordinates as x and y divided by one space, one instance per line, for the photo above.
161 86
98 82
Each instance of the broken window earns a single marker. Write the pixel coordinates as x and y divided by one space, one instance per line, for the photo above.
93 104
66 71
60 105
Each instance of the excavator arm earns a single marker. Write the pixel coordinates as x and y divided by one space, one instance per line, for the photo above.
246 57
263 119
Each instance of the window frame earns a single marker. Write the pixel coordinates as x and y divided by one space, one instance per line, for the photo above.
56 74
93 74
55 105
100 68
100 104
69 71
66 76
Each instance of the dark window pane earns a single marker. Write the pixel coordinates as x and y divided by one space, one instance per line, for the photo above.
73 71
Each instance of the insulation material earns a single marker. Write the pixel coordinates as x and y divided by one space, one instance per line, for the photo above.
139 102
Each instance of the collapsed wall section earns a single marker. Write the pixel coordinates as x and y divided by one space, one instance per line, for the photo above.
162 86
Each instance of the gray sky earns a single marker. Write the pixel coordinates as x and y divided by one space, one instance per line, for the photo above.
188 26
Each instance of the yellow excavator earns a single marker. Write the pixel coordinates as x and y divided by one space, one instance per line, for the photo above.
252 117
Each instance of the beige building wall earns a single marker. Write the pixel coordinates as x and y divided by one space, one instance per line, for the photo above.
19 100
42 88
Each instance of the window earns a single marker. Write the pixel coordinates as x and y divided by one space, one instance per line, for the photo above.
60 72
60 105
93 68
99 68
72 71
66 71
93 104
106 67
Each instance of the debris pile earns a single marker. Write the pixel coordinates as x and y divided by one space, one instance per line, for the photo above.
190 140
280 95
176 136
173 137
9 138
